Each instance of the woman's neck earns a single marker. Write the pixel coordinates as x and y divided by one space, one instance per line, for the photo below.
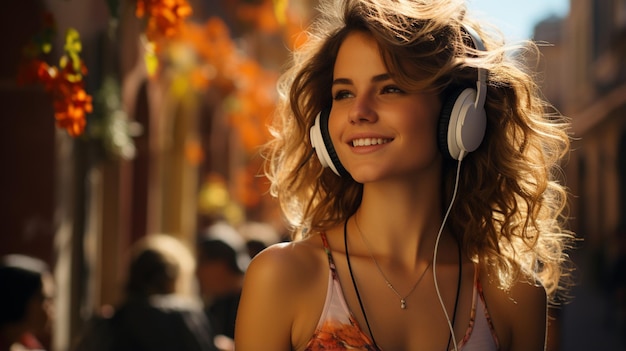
407 232
402 205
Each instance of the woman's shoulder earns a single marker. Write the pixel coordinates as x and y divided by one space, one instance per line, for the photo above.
287 264
523 293
286 282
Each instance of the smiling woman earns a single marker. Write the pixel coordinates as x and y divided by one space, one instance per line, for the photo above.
430 218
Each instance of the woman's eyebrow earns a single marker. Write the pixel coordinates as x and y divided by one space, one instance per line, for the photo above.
376 79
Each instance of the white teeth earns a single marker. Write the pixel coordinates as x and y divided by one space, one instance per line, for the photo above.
369 141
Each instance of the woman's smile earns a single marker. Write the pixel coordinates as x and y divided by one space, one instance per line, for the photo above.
369 141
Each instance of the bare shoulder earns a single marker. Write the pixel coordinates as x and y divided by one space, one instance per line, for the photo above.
519 314
279 285
285 264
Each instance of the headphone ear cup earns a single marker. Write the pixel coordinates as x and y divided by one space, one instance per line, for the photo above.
323 145
461 125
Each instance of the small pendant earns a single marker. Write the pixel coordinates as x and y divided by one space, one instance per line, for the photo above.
403 304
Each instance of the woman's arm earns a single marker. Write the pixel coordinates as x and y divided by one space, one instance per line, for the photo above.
528 317
519 315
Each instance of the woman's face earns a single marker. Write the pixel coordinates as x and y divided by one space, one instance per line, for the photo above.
379 130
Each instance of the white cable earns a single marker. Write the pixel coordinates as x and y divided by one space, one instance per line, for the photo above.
443 223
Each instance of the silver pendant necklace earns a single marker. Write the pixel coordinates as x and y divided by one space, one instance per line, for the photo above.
403 304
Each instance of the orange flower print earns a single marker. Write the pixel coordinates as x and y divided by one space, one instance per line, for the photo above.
334 335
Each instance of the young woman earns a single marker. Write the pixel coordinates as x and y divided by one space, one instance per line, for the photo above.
430 218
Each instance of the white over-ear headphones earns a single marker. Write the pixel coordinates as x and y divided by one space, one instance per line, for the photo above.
462 121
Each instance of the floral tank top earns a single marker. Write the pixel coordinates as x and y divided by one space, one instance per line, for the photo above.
338 330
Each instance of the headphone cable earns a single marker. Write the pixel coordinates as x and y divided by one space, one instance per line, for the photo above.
443 223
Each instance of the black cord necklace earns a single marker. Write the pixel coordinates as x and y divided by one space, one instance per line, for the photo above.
358 296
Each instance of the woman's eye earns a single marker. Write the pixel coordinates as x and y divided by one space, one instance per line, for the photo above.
342 94
392 89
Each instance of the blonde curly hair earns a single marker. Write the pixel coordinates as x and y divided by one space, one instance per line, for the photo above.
510 204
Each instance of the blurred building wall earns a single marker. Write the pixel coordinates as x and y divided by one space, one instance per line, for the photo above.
584 75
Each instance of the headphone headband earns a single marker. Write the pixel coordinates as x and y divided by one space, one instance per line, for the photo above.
481 82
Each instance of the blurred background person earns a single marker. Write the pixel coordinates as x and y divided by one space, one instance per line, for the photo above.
259 236
26 289
222 261
160 311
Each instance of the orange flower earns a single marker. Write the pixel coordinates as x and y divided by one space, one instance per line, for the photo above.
64 83
71 109
165 17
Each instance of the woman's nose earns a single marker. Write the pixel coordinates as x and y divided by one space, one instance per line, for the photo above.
362 111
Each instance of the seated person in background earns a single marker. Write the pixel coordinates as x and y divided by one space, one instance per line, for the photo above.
158 313
222 261
26 288
259 236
